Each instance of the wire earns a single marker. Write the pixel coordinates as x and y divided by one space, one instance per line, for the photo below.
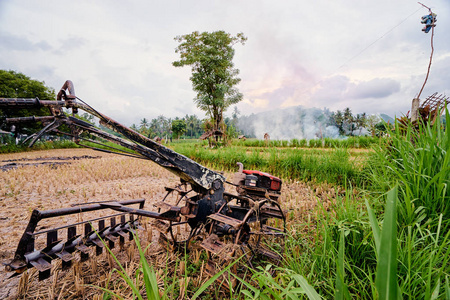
370 45
362 51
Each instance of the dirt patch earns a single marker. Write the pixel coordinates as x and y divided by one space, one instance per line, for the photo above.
107 177
53 162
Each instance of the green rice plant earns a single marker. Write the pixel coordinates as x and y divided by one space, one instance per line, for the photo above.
144 273
411 262
386 275
303 143
328 143
285 285
331 166
420 161
341 287
367 141
316 143
337 256
13 148
145 278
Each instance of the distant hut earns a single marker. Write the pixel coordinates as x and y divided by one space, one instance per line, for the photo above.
267 138
212 136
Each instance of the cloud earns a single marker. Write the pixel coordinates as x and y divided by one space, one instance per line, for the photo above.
119 56
375 88
19 43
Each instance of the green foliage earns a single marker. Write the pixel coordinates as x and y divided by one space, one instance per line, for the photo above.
13 148
398 247
178 127
210 55
420 161
333 166
18 85
386 278
363 142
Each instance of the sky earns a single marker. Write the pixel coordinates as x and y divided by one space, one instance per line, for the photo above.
370 56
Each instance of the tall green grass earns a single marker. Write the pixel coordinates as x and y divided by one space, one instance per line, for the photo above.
347 142
398 245
13 148
334 166
420 161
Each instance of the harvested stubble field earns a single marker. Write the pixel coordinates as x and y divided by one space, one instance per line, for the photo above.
87 176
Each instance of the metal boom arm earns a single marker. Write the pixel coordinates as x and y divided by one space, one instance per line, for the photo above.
187 169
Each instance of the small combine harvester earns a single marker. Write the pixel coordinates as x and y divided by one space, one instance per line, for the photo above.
249 223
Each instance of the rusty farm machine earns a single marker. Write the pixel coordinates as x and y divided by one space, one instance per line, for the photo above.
247 223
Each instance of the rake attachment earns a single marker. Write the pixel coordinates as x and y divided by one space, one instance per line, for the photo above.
79 237
248 224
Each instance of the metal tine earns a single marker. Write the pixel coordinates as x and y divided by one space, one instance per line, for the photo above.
122 223
51 237
44 268
84 250
111 238
131 231
43 265
98 243
66 259
71 232
64 255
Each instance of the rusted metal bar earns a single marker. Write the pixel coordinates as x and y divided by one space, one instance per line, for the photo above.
28 102
27 238
67 86
170 215
183 167
30 119
178 164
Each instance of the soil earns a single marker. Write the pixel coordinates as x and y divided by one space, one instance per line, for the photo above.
60 178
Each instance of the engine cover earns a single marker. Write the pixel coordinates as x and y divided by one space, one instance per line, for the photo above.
265 180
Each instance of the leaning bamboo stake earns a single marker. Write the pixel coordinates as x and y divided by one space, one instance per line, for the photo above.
416 101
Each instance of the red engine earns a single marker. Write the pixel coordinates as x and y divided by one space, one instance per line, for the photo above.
257 183
264 180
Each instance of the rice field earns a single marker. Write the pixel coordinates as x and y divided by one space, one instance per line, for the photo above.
89 176
362 224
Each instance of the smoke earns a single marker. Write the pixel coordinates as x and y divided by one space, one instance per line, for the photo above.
290 123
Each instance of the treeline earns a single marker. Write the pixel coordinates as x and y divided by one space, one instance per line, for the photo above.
189 126
309 123
288 124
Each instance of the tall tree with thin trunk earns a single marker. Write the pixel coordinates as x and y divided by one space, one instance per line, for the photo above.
214 78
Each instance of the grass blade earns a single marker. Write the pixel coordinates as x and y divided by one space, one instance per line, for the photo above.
386 276
375 228
309 290
212 279
340 269
447 288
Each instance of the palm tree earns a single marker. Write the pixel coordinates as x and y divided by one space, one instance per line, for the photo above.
190 123
144 124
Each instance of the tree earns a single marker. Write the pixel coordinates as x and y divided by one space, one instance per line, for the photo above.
338 119
134 127
361 121
372 122
213 77
17 85
178 127
144 128
144 124
349 120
